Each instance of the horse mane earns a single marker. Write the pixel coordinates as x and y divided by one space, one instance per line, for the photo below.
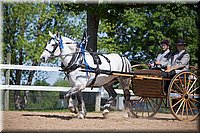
72 45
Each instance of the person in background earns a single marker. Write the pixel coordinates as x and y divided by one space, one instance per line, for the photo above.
162 59
179 61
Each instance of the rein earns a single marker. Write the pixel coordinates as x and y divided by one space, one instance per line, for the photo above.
78 59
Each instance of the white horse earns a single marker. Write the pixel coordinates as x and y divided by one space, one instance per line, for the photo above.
74 59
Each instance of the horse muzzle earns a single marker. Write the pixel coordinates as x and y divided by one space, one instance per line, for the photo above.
43 59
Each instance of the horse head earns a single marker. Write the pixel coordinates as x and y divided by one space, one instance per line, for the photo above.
55 46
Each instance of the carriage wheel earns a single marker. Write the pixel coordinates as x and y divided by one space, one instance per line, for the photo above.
184 96
145 106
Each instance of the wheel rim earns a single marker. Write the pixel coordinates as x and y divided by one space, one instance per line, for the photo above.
145 106
184 96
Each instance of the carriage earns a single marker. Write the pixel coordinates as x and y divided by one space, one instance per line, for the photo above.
181 94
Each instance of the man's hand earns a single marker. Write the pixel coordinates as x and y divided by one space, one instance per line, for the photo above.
170 69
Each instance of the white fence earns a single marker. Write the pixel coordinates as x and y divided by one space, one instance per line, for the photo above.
98 91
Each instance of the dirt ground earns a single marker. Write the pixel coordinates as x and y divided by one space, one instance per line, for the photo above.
116 122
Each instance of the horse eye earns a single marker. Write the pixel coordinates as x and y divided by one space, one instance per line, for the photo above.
53 45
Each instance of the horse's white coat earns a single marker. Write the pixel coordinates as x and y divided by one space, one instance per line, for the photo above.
79 80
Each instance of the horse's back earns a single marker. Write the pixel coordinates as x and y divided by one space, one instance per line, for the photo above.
118 62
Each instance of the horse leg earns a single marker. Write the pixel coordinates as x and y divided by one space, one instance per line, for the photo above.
81 105
124 82
112 95
76 90
73 104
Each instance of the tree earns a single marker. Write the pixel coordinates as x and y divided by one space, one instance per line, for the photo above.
62 82
140 31
41 99
25 33
198 25
96 11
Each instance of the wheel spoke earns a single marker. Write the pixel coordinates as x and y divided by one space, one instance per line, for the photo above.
179 107
175 91
191 109
147 106
180 80
192 85
194 100
185 82
142 107
194 90
186 103
137 101
188 83
183 107
177 103
135 104
154 101
178 87
193 104
151 105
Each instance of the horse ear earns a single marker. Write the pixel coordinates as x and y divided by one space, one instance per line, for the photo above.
57 35
51 34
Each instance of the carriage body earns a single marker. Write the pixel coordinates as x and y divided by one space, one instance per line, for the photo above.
148 83
181 94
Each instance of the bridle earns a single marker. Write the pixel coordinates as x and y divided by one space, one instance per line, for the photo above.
58 43
55 47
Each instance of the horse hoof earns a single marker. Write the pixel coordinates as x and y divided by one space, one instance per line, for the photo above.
105 113
81 116
73 110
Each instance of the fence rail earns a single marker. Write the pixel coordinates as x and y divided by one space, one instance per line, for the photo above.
23 67
44 88
8 87
52 88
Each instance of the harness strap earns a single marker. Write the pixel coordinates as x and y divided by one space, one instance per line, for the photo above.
97 69
74 63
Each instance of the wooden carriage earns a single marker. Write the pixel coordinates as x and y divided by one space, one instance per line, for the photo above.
181 94
151 91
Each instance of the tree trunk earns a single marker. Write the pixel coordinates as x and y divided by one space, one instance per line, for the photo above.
92 29
18 79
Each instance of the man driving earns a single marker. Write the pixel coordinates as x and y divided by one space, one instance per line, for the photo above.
162 59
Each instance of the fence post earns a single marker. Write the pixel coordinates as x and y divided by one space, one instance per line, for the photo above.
7 82
117 103
98 101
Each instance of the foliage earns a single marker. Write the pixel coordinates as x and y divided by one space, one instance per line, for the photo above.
140 31
25 32
41 83
41 99
61 83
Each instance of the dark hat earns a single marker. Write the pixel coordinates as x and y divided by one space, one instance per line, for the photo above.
181 42
165 42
